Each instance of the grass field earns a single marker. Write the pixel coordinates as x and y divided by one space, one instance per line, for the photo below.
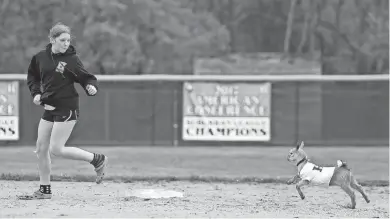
263 164
216 182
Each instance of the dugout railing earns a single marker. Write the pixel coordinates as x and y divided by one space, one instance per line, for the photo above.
138 110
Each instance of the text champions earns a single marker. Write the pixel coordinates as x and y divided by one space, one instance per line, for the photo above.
227 112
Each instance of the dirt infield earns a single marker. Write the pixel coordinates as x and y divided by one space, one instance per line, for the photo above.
83 199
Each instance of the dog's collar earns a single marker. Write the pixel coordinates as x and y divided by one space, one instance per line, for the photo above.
303 160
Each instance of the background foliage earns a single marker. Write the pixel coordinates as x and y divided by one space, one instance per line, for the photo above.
165 36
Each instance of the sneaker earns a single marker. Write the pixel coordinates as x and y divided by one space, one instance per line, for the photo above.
101 170
35 196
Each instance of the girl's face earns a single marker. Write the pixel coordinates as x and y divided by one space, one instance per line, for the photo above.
61 43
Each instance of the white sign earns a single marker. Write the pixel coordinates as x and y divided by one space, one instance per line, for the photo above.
9 110
9 128
226 128
226 111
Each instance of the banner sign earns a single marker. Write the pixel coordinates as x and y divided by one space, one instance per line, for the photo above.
256 64
9 110
226 111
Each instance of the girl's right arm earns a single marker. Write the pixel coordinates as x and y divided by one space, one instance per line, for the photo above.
34 78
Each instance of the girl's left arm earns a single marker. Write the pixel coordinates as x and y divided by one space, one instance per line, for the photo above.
83 77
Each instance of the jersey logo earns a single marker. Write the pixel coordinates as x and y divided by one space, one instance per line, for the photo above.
61 67
317 168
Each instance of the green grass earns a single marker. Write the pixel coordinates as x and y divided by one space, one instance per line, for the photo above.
227 164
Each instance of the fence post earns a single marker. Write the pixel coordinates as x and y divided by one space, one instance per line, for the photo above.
107 115
174 118
297 106
153 131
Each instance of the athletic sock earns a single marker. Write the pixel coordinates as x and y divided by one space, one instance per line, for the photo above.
45 189
98 159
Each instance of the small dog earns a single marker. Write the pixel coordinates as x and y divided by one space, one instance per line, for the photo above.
310 173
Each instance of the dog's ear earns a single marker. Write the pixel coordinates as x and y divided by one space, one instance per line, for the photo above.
300 145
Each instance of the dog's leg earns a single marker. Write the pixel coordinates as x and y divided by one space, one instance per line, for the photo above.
299 186
292 180
359 188
347 188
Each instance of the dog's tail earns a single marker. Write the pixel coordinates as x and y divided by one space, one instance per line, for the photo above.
341 163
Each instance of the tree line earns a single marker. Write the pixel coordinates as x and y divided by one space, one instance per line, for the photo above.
165 36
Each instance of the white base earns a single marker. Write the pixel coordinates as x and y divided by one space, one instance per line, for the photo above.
155 193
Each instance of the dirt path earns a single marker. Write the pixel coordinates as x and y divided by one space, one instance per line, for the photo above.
200 200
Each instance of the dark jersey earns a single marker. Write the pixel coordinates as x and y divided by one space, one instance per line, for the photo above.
53 76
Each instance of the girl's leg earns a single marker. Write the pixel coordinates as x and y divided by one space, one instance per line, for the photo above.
44 162
60 135
42 151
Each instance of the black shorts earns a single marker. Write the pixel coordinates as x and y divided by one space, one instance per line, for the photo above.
60 115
